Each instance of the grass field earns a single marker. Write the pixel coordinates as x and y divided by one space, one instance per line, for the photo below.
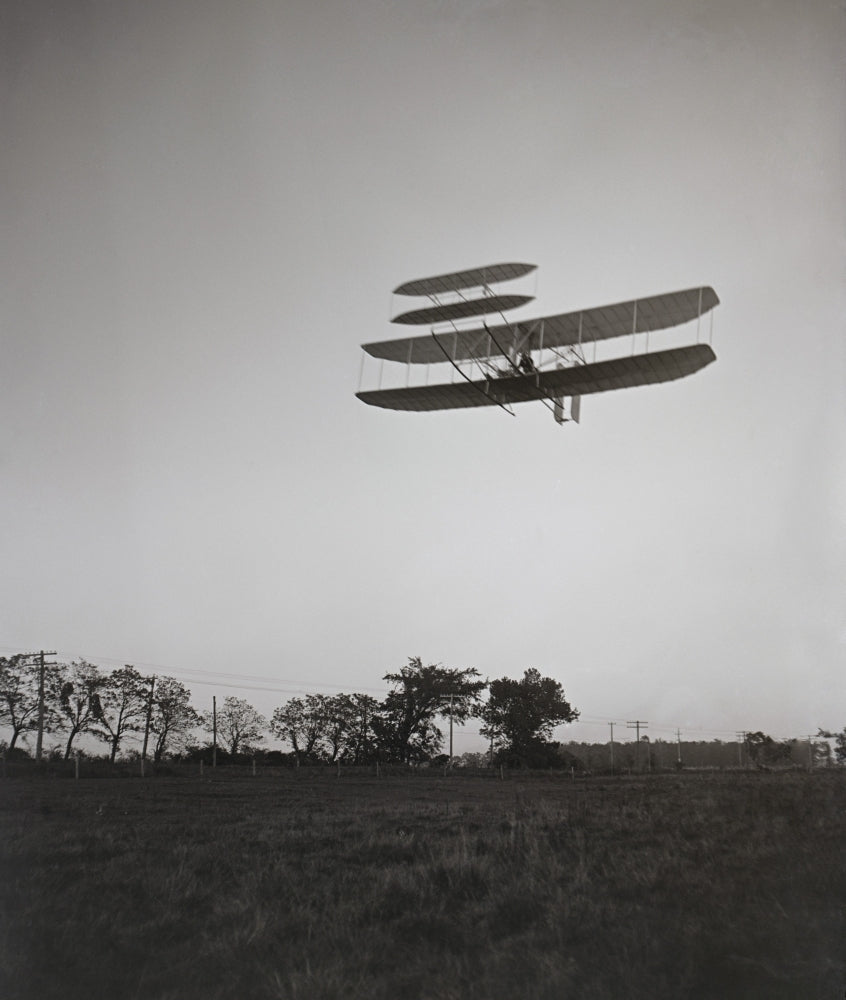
309 886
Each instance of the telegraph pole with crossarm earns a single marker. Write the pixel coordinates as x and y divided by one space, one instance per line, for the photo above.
637 725
39 741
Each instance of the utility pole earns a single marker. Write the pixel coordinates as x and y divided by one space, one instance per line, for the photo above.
450 731
636 725
147 723
41 711
611 724
741 739
678 741
214 731
442 698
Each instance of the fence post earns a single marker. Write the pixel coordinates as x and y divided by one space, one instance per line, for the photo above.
76 765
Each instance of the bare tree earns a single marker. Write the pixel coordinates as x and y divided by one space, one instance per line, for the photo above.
123 700
359 739
302 722
18 696
75 699
239 725
172 717
337 727
340 725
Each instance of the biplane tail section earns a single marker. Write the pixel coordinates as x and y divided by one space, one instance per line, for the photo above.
558 410
562 414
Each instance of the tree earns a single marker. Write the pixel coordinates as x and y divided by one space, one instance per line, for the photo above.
839 743
172 717
339 724
405 725
763 750
520 716
302 723
348 729
19 680
75 699
120 707
359 739
239 725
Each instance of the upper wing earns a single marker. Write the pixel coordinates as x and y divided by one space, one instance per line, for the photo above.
635 316
580 380
464 279
462 309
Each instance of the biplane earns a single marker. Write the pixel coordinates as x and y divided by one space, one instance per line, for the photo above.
502 362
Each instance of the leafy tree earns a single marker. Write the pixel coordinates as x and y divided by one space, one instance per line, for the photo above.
302 723
405 725
520 716
120 707
19 680
763 750
75 699
839 743
239 725
350 734
172 717
339 724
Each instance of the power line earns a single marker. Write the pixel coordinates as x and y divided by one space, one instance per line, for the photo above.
197 675
287 686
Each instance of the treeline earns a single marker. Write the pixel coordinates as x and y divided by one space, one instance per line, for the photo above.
67 701
71 700
757 750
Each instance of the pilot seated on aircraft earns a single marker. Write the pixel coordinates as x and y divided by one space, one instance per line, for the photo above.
526 364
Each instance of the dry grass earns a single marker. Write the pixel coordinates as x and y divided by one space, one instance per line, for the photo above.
302 886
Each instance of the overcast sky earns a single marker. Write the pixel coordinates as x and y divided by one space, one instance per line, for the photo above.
205 206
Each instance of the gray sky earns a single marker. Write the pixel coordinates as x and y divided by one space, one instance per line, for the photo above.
205 206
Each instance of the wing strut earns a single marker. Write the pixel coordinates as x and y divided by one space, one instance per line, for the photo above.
475 385
499 347
542 398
